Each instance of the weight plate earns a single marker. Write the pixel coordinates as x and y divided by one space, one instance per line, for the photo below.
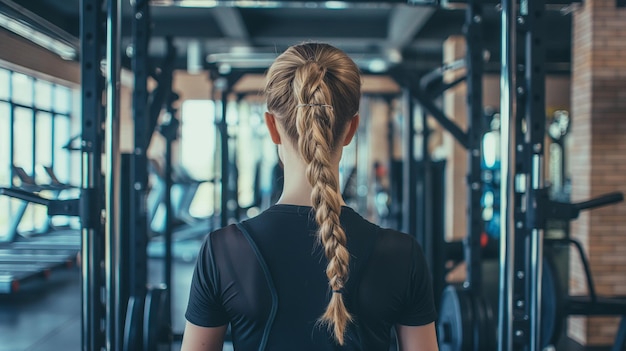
485 333
456 320
552 317
154 316
132 324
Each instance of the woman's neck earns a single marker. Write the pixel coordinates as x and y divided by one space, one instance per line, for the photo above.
297 189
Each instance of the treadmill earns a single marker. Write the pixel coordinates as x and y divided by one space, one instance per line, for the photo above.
23 259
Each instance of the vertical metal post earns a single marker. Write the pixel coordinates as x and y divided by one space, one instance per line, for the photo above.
92 245
532 15
11 136
11 151
475 131
34 133
393 218
225 159
169 129
138 232
139 166
213 77
507 140
363 171
112 174
425 217
408 179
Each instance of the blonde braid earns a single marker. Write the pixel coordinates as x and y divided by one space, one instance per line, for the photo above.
314 123
319 75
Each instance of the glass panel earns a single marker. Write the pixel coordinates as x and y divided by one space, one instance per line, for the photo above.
5 140
43 94
4 217
22 89
62 167
23 142
61 156
197 133
4 83
43 145
27 224
5 144
62 99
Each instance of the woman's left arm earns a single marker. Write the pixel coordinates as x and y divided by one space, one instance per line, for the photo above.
198 338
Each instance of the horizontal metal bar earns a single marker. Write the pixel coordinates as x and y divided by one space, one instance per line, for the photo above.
441 117
25 196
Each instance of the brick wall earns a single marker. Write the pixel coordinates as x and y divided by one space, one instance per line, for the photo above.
598 156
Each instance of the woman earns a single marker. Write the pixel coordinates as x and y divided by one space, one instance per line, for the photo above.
309 273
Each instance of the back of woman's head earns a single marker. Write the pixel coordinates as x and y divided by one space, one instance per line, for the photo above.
314 90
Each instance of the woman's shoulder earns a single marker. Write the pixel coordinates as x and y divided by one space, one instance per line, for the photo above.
397 238
225 237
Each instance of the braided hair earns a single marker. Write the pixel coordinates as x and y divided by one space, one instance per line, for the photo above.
314 91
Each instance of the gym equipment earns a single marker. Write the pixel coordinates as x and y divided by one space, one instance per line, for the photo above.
146 324
27 183
467 322
26 259
54 181
183 186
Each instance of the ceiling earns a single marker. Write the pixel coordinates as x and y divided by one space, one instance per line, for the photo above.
376 34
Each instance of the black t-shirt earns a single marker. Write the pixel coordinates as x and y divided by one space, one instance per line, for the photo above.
266 277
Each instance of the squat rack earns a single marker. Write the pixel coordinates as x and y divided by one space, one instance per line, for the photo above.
93 44
520 283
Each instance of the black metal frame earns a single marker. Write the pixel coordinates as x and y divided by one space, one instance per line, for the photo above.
93 42
470 139
409 171
523 81
147 107
224 83
531 113
474 134
139 165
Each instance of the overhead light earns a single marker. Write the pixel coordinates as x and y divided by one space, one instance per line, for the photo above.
64 50
377 66
37 30
394 55
333 5
336 5
194 57
242 60
216 3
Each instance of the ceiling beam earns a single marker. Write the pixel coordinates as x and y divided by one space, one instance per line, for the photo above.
404 23
231 23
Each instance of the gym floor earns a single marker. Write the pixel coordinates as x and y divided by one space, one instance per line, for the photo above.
46 316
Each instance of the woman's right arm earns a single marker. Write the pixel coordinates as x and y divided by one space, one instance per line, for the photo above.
419 338
198 338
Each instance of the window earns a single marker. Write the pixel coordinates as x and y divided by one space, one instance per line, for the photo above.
35 122
198 152
23 140
43 145
43 94
5 161
4 84
22 89
61 162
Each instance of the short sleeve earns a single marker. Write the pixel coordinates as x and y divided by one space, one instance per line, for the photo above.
419 308
205 308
